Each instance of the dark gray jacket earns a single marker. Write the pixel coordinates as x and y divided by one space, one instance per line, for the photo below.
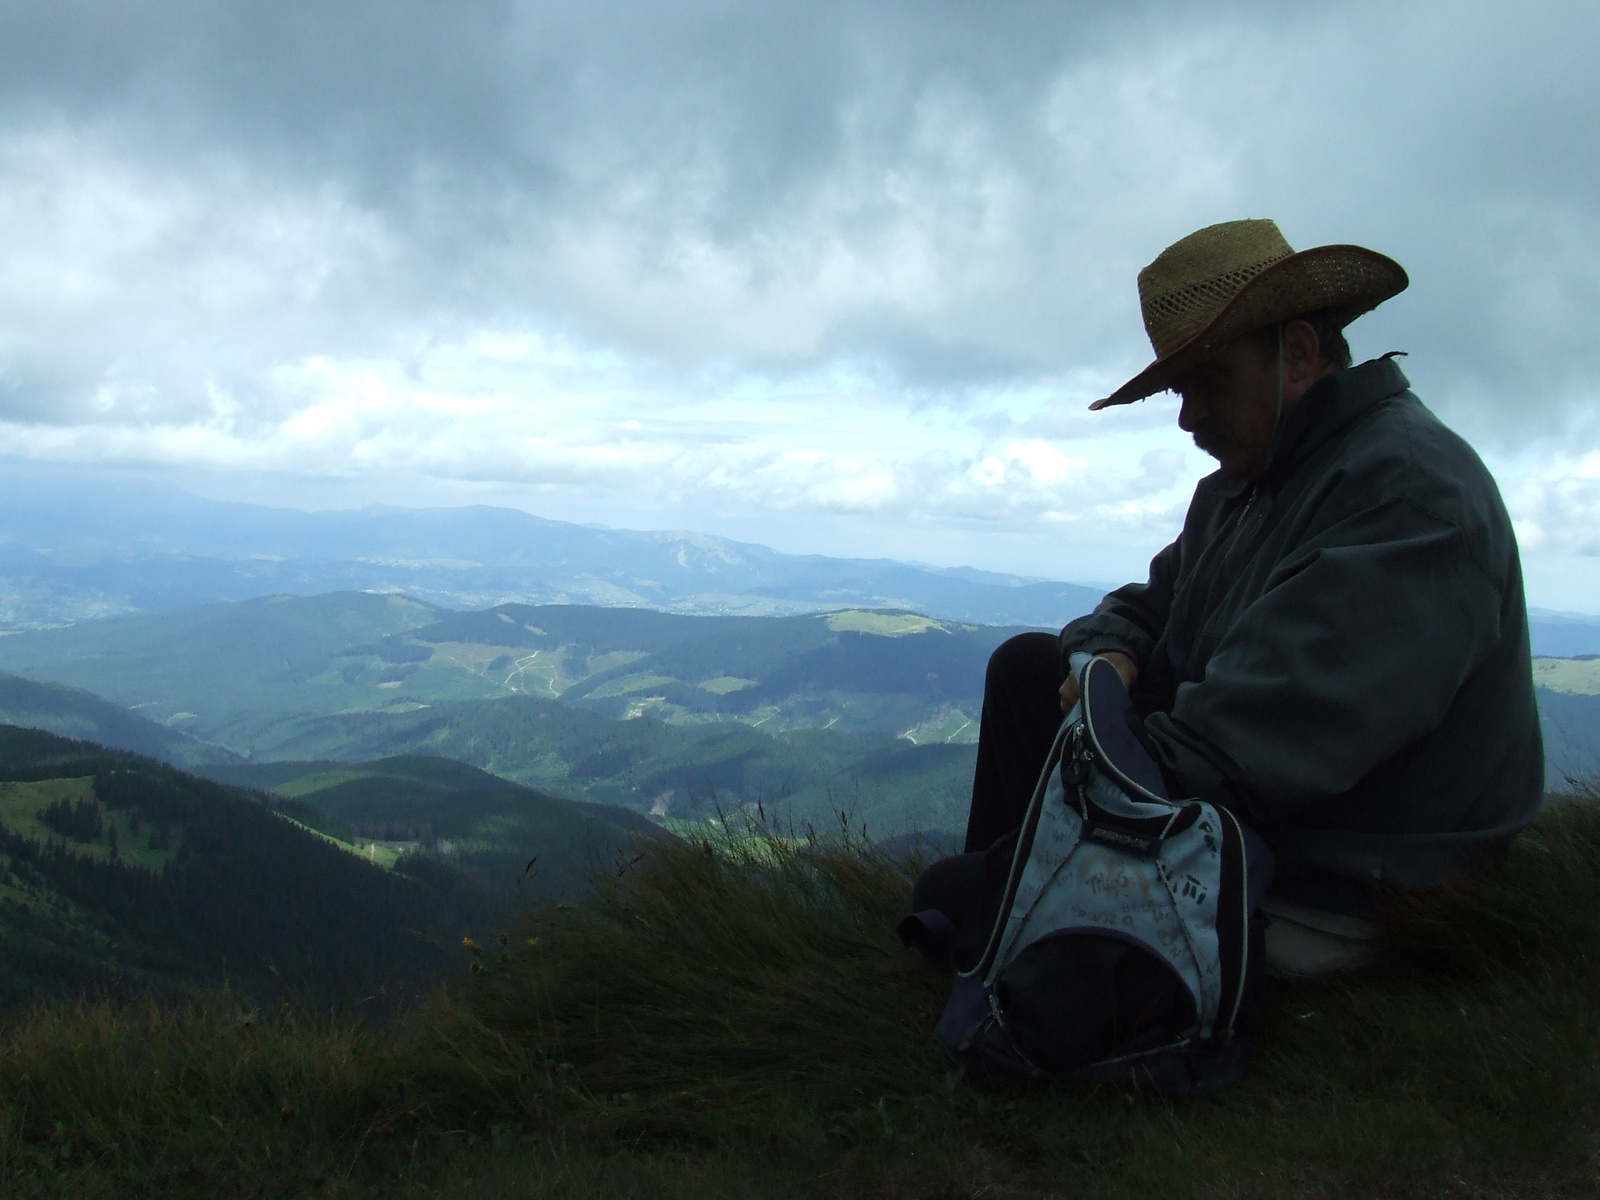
1340 652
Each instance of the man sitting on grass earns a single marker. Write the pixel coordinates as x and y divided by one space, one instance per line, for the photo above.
1335 647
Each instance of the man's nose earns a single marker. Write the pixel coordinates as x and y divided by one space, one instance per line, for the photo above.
1190 412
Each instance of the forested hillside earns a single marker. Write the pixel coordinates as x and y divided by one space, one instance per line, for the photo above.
120 873
190 668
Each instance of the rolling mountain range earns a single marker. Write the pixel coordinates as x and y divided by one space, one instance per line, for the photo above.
74 546
416 755
871 713
654 712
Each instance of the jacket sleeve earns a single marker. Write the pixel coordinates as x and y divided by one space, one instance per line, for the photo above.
1354 650
1129 619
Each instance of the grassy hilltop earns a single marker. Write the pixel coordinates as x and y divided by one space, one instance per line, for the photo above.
738 1020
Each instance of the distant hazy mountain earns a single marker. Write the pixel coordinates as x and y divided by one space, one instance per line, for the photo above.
1563 635
73 548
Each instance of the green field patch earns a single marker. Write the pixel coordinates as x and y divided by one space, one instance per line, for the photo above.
723 684
382 854
1574 676
952 727
465 656
306 785
885 624
541 673
21 803
595 664
379 854
629 685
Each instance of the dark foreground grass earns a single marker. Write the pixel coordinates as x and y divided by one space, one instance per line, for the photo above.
740 1021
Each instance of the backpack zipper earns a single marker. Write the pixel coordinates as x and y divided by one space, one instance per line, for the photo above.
1019 856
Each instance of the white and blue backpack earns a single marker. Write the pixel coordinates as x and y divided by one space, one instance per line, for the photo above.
1122 948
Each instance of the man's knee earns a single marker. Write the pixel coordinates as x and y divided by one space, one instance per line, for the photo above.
1027 660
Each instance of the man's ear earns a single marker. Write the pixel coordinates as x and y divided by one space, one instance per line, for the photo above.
1302 353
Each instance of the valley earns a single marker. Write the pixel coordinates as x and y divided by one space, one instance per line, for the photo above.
483 762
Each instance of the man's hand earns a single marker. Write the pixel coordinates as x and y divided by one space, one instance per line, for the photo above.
1124 665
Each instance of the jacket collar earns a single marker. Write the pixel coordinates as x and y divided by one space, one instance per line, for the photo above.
1331 403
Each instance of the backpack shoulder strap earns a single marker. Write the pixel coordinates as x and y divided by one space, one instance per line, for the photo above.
1106 705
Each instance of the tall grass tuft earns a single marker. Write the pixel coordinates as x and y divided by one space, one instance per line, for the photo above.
1535 909
98 1096
712 983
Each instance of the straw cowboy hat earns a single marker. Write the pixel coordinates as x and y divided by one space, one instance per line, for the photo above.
1228 280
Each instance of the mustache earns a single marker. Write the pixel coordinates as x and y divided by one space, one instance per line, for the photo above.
1212 436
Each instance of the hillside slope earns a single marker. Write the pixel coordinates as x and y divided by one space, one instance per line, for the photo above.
74 713
118 872
739 1020
218 659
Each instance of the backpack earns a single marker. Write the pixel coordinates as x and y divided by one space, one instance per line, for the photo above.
1122 947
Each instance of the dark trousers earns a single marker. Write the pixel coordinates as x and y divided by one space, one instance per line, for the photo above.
1021 716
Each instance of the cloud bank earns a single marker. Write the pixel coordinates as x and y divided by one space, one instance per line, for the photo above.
866 258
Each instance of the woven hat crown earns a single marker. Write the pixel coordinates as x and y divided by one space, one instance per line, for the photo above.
1193 280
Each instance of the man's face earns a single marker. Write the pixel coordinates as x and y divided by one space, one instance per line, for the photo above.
1230 406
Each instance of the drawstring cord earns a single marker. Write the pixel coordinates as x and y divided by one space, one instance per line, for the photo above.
1278 419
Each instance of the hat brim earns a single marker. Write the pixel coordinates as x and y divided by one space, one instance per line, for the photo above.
1343 281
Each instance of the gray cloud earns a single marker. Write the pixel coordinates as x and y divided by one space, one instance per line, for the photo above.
198 194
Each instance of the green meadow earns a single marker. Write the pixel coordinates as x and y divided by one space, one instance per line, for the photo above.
735 1018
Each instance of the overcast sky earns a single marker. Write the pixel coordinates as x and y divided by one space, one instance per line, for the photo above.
836 277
